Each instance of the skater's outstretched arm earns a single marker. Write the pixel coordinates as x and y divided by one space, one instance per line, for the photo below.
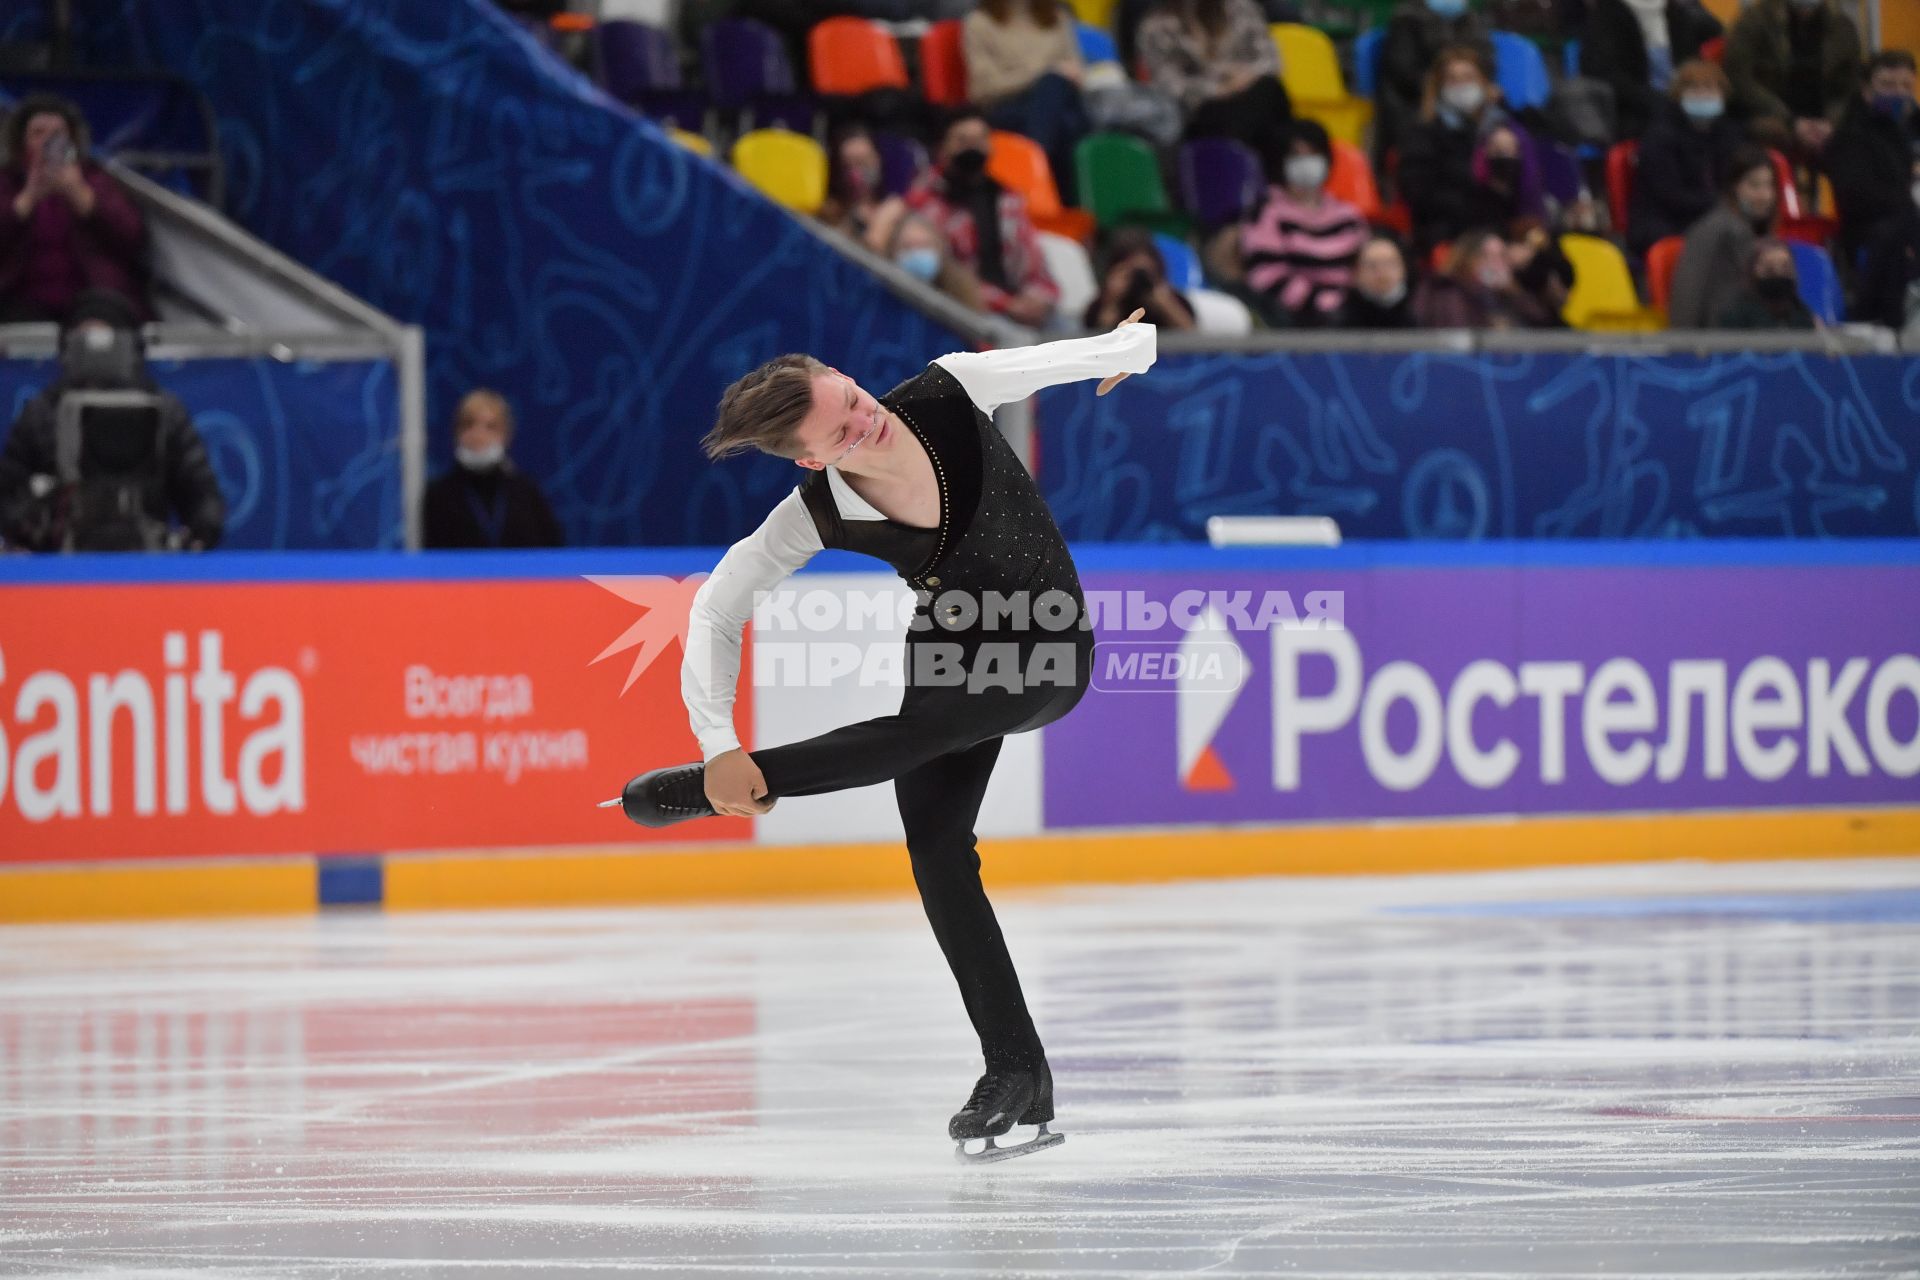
710 672
994 378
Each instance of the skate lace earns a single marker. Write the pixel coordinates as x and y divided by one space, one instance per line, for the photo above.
988 1086
684 790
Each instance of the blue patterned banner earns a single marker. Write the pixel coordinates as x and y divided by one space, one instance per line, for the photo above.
308 452
434 160
1493 446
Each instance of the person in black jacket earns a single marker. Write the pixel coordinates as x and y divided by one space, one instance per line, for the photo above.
100 351
1418 32
1683 158
1460 108
1771 298
485 501
1634 45
1379 297
1889 288
1870 156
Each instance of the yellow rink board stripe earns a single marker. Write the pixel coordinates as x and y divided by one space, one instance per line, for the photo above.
123 891
453 880
693 873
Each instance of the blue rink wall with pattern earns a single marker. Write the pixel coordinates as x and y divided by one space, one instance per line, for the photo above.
307 451
1421 445
431 158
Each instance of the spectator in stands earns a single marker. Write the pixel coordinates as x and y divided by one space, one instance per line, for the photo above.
1870 157
1216 58
67 226
857 203
1297 250
1889 290
1127 16
1540 268
1770 294
1418 32
1378 298
1683 157
1476 290
107 510
985 225
1719 247
1136 280
484 500
1023 69
1795 65
1459 107
916 246
1507 181
1634 46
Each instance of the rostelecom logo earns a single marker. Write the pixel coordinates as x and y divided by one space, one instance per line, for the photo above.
1203 698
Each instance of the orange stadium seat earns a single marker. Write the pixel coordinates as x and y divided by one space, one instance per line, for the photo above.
1351 179
849 56
1018 163
1662 257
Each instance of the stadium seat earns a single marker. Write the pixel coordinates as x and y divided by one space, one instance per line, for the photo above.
1096 45
1521 71
1570 58
698 143
1602 299
1714 50
1219 180
1095 13
901 161
1310 69
1183 263
1366 61
1119 178
1662 257
1797 222
1351 179
1018 163
640 65
1072 272
1623 159
1819 282
788 168
748 74
849 56
1218 312
943 63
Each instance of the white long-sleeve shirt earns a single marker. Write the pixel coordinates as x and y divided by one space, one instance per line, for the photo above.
787 539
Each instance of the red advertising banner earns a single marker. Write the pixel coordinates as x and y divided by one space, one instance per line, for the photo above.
172 720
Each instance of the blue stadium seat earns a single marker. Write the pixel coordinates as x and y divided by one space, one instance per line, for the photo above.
1096 45
1521 71
1183 263
1366 60
1819 282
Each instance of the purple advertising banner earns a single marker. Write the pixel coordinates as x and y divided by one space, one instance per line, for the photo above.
1434 683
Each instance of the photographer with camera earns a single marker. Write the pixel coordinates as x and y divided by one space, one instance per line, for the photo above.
66 226
100 459
1136 280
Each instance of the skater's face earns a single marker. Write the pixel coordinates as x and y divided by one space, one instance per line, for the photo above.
845 425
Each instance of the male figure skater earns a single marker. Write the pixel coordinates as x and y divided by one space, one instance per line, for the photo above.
1000 643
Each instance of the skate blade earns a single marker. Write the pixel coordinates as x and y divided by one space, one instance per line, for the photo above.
610 804
993 1149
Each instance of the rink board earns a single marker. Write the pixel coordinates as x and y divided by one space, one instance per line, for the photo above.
434 731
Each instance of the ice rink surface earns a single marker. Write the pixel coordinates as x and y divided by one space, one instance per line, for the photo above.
1674 1070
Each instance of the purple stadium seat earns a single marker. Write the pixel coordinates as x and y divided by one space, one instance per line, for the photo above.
640 65
1219 180
748 71
901 161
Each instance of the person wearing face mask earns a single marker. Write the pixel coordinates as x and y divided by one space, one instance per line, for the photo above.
1296 252
484 500
1540 269
1378 297
1713 264
1635 45
1683 157
987 228
1136 283
857 203
1889 285
1795 65
1416 35
917 248
1507 183
1460 107
1870 158
1217 60
1476 291
1771 298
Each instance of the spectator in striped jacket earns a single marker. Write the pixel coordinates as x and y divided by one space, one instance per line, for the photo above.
1299 248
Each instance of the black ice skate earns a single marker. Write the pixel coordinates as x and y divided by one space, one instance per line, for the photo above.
662 797
1000 1101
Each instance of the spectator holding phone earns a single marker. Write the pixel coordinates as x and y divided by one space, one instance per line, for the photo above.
66 226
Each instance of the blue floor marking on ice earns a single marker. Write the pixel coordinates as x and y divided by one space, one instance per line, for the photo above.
1877 906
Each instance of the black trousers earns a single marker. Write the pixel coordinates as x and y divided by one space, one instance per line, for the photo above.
939 750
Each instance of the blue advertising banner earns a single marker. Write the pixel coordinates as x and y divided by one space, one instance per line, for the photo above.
1461 448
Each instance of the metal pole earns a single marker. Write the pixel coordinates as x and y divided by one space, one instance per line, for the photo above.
413 430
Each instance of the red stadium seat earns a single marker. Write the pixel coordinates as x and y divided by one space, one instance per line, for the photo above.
1662 258
850 56
1622 159
943 63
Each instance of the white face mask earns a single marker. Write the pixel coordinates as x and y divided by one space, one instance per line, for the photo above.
1306 172
483 459
1464 97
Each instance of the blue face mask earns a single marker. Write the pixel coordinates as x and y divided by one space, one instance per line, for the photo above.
1702 108
1448 8
921 264
1892 105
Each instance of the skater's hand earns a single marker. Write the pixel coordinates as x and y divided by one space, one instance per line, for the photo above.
1109 383
735 786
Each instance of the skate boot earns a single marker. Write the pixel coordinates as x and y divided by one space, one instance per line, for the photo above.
982 1130
662 797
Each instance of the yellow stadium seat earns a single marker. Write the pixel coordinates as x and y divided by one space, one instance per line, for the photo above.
1311 71
694 142
1602 299
1095 13
788 168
